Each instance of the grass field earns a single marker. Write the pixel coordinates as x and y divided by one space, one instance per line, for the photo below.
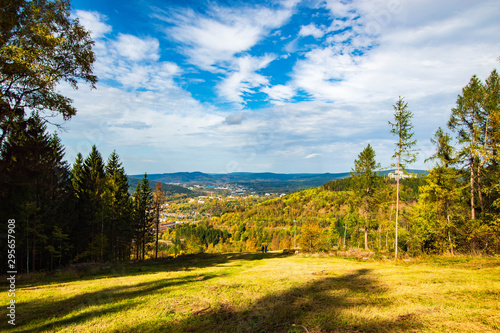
265 293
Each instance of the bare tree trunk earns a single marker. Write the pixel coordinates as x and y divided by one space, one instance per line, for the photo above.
157 231
144 245
473 211
449 235
482 161
345 234
379 238
397 214
366 238
479 187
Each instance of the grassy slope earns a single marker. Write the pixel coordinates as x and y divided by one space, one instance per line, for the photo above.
266 293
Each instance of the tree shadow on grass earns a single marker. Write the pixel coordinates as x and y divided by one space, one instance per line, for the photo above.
51 315
182 263
328 304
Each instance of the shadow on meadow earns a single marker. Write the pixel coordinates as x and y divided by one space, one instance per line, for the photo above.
51 314
92 271
328 304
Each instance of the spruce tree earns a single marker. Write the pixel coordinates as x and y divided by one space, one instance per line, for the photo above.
159 198
93 182
466 120
365 179
404 152
35 192
143 206
118 209
81 226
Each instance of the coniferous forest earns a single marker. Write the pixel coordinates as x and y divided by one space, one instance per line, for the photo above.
83 212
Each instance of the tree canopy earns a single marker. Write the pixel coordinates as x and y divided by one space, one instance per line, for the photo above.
41 46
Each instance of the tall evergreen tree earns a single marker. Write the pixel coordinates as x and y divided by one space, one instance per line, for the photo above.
143 212
159 198
365 180
440 199
35 192
80 226
466 120
404 152
118 209
93 181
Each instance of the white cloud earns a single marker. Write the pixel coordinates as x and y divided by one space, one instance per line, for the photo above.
311 30
427 61
137 49
321 71
155 76
93 22
279 93
341 9
312 155
244 78
415 61
211 40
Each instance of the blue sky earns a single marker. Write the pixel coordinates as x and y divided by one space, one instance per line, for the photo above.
281 86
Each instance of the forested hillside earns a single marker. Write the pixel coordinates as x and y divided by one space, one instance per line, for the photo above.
259 183
56 212
323 216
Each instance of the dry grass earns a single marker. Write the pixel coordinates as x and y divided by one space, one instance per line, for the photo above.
266 293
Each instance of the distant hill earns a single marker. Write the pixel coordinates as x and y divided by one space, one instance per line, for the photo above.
258 182
170 189
218 178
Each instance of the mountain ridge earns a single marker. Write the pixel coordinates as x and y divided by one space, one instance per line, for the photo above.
257 181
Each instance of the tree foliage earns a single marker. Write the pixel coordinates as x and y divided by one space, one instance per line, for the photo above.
366 182
143 209
35 191
40 47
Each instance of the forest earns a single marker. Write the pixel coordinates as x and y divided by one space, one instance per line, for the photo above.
84 212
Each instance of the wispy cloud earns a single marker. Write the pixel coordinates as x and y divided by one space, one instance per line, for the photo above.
279 94
94 22
212 39
220 39
137 49
312 155
311 30
244 78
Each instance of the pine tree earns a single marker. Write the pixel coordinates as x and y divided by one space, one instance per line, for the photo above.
80 225
365 179
402 128
143 205
159 198
118 209
440 199
466 119
35 192
93 182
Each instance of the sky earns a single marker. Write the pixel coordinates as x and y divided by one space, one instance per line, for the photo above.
272 86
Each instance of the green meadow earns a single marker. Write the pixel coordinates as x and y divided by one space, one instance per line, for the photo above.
272 292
